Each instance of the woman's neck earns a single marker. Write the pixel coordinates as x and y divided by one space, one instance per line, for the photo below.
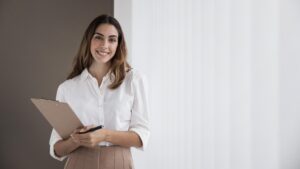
99 71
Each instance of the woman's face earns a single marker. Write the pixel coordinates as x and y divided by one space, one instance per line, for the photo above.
104 43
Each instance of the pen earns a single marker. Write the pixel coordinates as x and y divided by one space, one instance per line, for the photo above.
92 129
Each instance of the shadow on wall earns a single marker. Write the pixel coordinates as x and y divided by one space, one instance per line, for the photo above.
39 40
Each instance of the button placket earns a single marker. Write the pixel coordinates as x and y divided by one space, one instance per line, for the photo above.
100 108
100 102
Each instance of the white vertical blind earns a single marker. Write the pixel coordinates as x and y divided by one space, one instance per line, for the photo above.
289 84
213 70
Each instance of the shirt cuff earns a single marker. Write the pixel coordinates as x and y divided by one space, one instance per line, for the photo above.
52 152
144 136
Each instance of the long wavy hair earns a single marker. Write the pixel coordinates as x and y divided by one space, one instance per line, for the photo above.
84 58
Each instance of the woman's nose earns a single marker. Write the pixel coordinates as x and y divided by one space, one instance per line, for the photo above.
104 43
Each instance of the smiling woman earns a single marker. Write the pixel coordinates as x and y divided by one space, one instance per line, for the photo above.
103 89
104 43
103 36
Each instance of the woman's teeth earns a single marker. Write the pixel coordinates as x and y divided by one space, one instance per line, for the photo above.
102 53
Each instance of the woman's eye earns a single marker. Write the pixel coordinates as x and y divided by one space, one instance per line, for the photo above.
97 37
112 40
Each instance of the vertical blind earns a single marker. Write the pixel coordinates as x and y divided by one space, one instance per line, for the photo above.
212 67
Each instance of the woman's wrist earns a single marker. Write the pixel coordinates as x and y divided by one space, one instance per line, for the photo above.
107 134
64 147
73 143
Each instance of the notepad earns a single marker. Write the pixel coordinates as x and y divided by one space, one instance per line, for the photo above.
60 116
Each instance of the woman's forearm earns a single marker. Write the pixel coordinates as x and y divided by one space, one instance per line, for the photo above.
123 138
64 147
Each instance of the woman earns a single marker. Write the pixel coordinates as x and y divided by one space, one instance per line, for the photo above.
103 89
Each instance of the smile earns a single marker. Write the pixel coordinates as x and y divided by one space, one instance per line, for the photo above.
101 52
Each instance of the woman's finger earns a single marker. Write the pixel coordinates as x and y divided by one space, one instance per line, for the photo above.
78 130
90 126
85 128
82 136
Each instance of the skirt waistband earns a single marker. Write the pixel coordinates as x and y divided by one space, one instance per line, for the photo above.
100 157
103 147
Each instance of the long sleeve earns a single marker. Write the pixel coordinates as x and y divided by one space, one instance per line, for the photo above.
140 110
55 137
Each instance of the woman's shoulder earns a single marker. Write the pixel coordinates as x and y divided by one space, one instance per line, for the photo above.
136 77
68 83
135 74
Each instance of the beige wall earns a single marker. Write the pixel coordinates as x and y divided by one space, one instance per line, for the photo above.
38 40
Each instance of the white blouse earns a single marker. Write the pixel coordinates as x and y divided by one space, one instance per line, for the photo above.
123 109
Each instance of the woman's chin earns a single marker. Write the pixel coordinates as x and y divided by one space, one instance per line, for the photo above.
102 60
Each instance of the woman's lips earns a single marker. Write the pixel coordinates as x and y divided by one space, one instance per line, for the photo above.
103 53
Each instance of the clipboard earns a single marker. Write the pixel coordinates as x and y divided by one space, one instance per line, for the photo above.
60 116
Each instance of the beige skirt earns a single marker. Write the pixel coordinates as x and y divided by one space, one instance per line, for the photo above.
112 157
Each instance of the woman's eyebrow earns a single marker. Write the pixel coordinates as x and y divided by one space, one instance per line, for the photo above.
108 36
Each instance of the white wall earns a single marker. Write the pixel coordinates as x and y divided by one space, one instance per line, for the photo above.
123 13
224 83
289 68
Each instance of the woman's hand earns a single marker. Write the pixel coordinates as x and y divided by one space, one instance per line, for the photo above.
76 131
90 139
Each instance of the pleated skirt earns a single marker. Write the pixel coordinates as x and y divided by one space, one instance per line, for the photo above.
111 157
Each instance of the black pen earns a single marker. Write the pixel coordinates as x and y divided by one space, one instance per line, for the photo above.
92 129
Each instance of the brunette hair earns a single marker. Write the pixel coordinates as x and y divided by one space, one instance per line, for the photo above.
84 58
